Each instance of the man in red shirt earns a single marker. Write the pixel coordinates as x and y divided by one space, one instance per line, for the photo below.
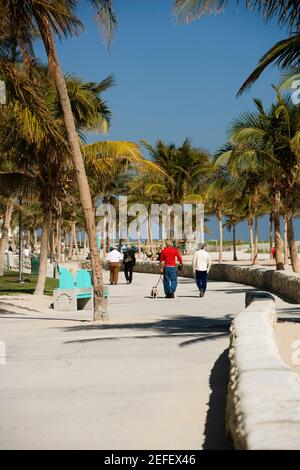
168 258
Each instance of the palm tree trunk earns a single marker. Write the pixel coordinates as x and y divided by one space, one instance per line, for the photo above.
150 241
285 242
40 285
75 241
51 245
220 215
5 231
58 239
277 236
32 239
292 244
139 238
255 255
234 242
271 234
104 240
70 253
100 312
250 224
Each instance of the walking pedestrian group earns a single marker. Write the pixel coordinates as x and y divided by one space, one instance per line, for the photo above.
171 263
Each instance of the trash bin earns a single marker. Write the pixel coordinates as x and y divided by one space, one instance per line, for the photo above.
35 265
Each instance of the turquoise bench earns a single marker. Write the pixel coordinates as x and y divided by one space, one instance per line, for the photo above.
72 296
66 279
85 289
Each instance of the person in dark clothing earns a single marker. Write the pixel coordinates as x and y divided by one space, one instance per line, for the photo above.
129 263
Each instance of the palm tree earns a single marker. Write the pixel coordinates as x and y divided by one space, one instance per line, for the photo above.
264 145
8 204
34 142
216 201
26 125
249 188
186 173
112 165
186 167
19 24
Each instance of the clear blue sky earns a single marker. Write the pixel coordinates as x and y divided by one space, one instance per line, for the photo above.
175 81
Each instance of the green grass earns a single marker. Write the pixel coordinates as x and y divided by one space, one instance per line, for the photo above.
9 284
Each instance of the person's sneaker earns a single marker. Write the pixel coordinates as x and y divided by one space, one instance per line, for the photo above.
172 296
201 293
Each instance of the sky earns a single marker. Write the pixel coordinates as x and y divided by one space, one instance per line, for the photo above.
175 81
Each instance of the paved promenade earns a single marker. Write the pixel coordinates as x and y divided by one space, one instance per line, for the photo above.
153 377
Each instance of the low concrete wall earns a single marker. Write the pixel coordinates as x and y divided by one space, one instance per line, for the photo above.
279 282
263 403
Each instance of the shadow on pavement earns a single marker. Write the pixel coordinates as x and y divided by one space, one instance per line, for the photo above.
215 430
197 328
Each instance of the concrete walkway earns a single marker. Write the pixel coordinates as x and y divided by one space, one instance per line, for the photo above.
153 377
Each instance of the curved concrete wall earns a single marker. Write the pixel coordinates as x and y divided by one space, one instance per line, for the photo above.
263 402
279 282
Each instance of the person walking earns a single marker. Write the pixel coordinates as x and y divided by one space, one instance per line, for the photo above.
114 258
129 262
201 266
168 258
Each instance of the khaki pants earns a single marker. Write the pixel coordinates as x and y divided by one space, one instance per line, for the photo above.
114 269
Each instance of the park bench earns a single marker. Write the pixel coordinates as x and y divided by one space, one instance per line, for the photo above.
71 296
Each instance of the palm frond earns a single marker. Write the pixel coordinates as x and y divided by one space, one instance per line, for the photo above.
287 12
285 54
108 152
106 18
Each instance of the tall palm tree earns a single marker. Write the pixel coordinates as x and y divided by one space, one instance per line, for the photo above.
26 125
19 24
216 199
249 179
11 184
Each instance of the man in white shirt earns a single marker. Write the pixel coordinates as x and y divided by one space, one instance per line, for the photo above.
114 261
201 267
